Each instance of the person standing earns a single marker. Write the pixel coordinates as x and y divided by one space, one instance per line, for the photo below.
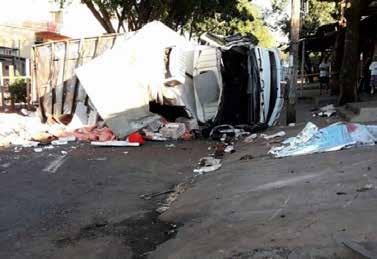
373 75
324 75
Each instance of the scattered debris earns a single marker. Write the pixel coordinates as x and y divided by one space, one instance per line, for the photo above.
20 130
367 187
276 135
181 73
219 150
59 142
64 152
38 150
173 130
154 136
251 138
114 143
190 124
229 149
170 145
291 124
326 111
27 144
17 149
208 164
222 132
136 137
247 157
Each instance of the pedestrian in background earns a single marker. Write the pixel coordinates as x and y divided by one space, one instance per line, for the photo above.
373 75
324 75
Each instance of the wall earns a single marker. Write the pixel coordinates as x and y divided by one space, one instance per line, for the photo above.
15 36
20 19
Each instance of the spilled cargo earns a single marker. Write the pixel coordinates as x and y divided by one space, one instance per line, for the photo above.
221 80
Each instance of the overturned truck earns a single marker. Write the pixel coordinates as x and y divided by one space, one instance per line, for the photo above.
222 80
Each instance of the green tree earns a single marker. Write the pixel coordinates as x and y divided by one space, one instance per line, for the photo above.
132 15
249 20
194 16
318 13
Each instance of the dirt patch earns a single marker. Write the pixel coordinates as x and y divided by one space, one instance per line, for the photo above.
142 233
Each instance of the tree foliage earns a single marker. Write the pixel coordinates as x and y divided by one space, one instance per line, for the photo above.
318 13
133 14
249 20
193 16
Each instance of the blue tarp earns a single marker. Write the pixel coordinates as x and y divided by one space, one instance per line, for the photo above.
313 140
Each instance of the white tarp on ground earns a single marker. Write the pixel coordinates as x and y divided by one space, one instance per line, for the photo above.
122 81
334 137
16 129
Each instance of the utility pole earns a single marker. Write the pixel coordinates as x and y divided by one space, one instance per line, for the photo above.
293 59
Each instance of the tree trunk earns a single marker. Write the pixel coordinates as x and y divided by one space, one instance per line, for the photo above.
104 21
337 62
293 53
351 57
338 51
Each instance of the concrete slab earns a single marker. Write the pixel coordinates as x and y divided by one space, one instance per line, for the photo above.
363 112
257 206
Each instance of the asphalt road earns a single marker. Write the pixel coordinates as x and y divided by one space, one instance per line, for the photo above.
86 204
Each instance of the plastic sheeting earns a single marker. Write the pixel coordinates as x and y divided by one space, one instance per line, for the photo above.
332 138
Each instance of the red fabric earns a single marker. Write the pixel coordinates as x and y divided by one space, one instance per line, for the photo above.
136 137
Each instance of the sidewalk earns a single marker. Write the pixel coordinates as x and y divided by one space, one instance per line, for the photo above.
299 207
